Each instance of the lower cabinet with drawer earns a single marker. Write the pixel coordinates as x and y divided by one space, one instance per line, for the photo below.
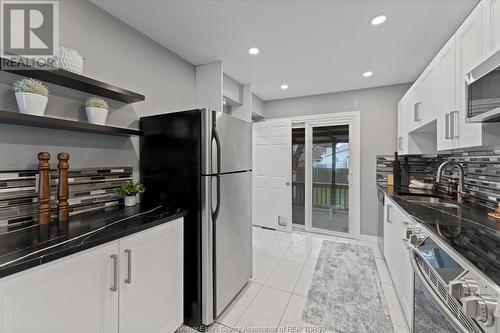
396 253
134 284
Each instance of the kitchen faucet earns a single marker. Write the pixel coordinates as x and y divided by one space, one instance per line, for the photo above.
461 192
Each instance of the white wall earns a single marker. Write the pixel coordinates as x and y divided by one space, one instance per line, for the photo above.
378 107
258 107
114 53
232 89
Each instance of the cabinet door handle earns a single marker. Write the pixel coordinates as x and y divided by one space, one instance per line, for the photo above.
454 124
114 287
416 111
389 214
447 132
128 280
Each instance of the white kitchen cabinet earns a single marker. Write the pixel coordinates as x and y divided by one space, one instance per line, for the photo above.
151 293
447 95
388 213
391 239
72 294
415 110
418 110
440 93
405 291
397 255
429 97
491 27
422 100
134 284
469 55
402 131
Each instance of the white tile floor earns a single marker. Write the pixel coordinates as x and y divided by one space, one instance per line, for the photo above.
283 270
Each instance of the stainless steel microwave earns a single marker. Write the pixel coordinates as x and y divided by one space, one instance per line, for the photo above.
483 91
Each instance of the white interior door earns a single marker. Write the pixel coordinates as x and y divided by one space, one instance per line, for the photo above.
272 170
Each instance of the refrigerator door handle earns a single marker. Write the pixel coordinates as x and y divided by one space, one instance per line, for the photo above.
215 213
216 138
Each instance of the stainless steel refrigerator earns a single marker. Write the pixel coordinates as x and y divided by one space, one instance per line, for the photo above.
201 160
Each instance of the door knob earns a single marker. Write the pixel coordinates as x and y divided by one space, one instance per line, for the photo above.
287 183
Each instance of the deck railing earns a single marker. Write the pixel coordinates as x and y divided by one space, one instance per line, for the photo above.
321 195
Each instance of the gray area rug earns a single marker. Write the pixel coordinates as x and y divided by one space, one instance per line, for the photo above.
346 293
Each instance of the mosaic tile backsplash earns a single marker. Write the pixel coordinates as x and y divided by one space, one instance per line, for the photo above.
482 173
89 189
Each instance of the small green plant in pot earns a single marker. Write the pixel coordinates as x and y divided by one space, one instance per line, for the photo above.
97 110
128 192
31 96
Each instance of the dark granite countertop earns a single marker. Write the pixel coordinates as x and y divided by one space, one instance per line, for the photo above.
27 247
467 229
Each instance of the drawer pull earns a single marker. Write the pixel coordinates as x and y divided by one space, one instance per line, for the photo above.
114 287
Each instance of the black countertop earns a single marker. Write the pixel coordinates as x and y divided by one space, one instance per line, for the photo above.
24 248
467 229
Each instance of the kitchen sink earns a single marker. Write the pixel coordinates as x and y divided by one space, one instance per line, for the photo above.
443 205
431 201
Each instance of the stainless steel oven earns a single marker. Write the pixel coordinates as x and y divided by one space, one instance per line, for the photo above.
435 310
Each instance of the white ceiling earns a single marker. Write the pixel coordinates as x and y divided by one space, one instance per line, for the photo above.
313 46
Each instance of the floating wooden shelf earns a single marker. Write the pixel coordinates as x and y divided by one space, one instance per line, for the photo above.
15 118
78 82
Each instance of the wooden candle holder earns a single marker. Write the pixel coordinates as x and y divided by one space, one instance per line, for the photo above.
43 188
63 188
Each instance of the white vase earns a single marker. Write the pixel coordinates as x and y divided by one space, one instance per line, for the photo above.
31 103
69 60
96 115
130 201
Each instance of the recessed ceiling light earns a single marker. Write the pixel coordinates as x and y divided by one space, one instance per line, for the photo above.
367 74
284 86
379 19
253 51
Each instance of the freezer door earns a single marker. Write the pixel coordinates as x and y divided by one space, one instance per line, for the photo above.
225 137
233 238
235 137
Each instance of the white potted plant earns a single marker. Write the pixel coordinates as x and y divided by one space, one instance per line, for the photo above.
97 110
32 96
129 191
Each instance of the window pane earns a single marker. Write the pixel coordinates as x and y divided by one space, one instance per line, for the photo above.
330 170
298 175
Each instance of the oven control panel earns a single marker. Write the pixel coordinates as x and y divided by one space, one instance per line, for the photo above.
479 300
480 308
474 301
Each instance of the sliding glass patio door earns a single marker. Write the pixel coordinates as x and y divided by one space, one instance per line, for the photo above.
298 177
329 174
321 194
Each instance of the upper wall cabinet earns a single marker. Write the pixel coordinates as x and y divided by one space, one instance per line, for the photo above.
469 41
435 107
491 27
469 55
429 99
403 107
447 101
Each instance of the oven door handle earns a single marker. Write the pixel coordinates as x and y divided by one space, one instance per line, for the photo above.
435 298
